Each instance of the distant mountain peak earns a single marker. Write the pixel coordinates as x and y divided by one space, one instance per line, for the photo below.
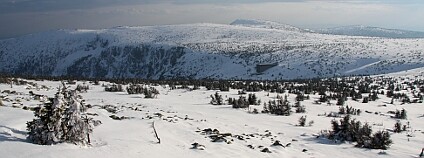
252 22
256 23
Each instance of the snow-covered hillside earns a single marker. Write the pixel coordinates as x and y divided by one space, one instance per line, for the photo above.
184 116
206 51
360 30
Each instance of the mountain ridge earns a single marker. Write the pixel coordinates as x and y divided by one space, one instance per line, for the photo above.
196 51
266 24
371 31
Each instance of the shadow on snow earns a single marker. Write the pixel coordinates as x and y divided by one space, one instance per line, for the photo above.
10 136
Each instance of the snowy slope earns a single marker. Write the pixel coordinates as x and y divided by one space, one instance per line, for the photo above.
206 51
134 137
360 30
413 73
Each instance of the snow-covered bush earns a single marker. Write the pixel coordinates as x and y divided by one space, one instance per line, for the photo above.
216 99
252 99
400 114
349 110
61 120
302 121
242 102
278 107
114 88
299 108
352 130
135 89
380 140
149 92
82 88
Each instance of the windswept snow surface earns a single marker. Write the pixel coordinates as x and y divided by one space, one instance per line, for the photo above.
206 51
413 73
183 113
360 30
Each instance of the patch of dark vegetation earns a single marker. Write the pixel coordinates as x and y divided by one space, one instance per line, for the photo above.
353 131
119 118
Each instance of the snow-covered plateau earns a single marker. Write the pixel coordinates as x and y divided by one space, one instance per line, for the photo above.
245 49
183 117
360 30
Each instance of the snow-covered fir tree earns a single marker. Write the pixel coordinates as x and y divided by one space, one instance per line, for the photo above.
61 120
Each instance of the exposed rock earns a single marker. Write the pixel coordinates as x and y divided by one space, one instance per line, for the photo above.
277 143
265 150
119 118
197 146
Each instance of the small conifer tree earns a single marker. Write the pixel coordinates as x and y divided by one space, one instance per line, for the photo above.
60 120
380 140
398 127
302 121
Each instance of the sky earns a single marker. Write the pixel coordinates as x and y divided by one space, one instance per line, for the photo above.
20 17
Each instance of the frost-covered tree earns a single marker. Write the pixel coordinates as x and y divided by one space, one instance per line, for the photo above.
43 129
114 88
365 100
300 108
253 100
352 130
242 102
341 101
300 97
279 107
60 120
400 114
302 121
216 99
380 140
150 92
77 124
398 127
82 88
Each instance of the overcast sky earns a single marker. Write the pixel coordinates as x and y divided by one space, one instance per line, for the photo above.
19 17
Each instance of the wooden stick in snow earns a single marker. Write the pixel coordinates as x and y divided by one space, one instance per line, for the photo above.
156 134
88 133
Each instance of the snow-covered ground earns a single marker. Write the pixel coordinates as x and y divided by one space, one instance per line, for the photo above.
180 116
413 73
360 30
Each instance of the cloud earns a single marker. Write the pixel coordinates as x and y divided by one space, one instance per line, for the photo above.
95 14
16 6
